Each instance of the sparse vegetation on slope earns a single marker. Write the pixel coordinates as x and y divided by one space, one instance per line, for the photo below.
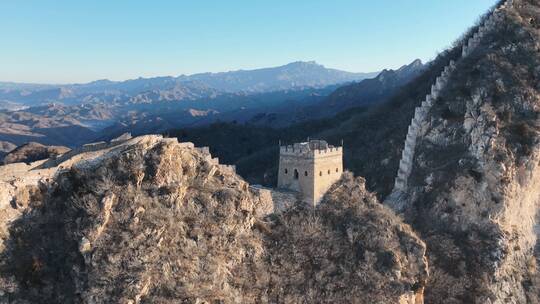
351 249
475 178
159 223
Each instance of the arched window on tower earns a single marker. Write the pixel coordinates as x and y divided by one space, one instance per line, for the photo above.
286 171
305 173
295 174
337 170
320 173
328 172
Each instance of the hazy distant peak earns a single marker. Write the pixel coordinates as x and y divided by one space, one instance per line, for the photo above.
305 63
417 63
292 76
100 82
298 74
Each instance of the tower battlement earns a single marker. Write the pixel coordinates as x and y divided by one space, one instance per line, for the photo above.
310 168
312 148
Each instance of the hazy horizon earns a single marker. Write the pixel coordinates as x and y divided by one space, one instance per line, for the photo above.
216 72
69 42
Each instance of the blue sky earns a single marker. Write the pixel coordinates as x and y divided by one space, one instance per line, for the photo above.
77 41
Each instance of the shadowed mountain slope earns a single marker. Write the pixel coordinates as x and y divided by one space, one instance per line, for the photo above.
372 135
365 93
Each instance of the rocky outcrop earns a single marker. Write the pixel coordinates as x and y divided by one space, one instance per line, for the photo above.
6 146
32 152
350 249
151 220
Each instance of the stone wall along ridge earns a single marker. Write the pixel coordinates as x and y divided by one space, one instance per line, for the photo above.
421 112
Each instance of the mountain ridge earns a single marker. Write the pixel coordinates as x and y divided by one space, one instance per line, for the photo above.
364 93
157 104
276 72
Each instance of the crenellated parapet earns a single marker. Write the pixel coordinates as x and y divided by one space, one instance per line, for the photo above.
488 25
298 151
419 118
87 153
90 147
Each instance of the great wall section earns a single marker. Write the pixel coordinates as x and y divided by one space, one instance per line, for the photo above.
398 198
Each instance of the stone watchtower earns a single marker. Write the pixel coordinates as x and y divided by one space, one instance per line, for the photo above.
310 168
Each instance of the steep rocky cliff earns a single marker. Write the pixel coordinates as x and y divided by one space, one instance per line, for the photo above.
151 220
474 189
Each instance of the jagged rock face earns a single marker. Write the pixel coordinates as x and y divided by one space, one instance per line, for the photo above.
154 221
475 182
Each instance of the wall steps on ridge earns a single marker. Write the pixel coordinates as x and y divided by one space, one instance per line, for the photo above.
396 199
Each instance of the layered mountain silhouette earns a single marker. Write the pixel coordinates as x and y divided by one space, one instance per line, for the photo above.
296 75
293 75
371 90
359 94
104 108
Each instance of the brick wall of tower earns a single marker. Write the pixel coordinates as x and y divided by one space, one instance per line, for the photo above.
289 165
328 170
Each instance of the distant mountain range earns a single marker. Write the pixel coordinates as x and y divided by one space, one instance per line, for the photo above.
357 94
293 76
73 114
